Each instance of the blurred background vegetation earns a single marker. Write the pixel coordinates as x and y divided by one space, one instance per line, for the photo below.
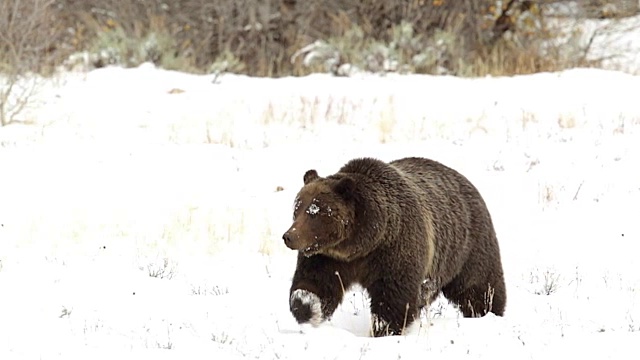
295 37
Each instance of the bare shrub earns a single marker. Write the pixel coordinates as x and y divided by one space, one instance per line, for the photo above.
275 37
448 37
164 270
545 282
610 8
222 337
214 290
632 326
261 37
202 32
25 45
165 343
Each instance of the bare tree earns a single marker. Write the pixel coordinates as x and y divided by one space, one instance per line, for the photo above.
24 45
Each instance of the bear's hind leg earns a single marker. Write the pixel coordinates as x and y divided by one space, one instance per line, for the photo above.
477 300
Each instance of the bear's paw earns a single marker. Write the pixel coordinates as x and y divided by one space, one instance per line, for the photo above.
306 307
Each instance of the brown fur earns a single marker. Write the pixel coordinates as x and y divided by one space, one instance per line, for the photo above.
405 230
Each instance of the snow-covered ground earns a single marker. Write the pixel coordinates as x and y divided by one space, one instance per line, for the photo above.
141 211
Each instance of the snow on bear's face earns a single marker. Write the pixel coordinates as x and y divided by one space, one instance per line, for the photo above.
321 216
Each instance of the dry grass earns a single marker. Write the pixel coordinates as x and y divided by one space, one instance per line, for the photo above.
545 282
208 232
205 221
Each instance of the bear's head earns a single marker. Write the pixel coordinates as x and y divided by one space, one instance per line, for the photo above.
323 216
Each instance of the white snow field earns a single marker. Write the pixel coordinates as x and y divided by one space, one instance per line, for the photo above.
141 212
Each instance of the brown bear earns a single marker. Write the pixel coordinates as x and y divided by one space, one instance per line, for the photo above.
405 231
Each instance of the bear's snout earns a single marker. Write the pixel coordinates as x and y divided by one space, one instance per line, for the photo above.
288 239
292 239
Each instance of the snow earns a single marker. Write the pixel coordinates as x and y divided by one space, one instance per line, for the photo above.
140 222
613 41
313 209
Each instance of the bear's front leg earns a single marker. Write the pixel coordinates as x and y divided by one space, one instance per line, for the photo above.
306 307
316 290
393 308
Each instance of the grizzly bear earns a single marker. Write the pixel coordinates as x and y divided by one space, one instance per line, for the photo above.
405 231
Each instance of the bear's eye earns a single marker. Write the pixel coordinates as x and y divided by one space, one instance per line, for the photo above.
296 206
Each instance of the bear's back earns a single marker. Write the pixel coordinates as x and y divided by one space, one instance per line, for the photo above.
456 209
437 179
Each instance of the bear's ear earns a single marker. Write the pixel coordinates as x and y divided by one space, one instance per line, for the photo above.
309 176
345 188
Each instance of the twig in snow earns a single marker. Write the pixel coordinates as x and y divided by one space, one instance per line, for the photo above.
575 197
